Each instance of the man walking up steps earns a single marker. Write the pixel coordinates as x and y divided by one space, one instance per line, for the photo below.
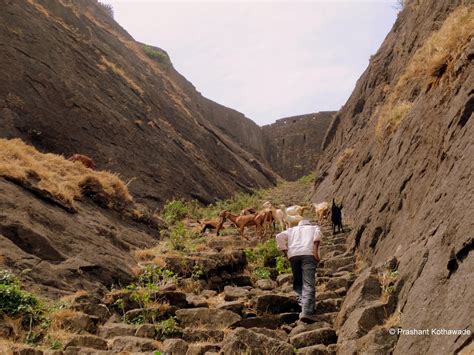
301 245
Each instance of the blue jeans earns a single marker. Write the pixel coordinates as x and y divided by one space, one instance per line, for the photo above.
304 271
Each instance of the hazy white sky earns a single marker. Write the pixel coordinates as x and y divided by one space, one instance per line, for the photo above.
267 59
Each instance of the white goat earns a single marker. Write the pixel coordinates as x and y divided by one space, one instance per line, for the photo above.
290 220
322 211
277 213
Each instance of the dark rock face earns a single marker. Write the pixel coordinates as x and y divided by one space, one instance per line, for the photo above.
75 82
66 252
408 193
293 144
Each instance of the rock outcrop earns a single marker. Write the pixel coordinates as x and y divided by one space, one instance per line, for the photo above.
293 144
76 82
399 156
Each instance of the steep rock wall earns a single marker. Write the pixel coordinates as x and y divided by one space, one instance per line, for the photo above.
75 82
399 155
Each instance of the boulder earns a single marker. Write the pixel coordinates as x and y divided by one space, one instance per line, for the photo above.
328 306
173 298
284 278
276 304
175 346
193 335
339 282
146 331
232 293
208 293
201 349
308 327
234 306
79 323
196 301
326 295
243 340
25 350
272 333
377 342
116 329
365 289
169 286
75 350
319 349
288 317
131 343
209 318
324 336
336 263
266 284
362 320
86 341
91 305
268 321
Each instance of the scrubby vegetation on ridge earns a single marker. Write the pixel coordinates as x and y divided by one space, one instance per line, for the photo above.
65 180
109 10
156 55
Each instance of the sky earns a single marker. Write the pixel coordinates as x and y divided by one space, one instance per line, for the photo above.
266 59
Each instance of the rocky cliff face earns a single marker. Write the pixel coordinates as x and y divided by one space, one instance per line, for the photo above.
399 155
293 144
75 82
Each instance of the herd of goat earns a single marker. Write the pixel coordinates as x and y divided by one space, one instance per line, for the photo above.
269 216
286 217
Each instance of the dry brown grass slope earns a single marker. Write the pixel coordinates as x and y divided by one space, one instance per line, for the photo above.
65 180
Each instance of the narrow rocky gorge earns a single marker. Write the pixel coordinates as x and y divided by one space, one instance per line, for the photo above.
118 278
231 315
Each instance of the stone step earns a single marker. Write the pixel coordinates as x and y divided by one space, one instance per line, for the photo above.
336 263
328 306
324 336
131 343
319 349
326 248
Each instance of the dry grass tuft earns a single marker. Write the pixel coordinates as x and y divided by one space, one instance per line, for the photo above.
58 317
342 160
65 180
390 117
394 320
68 299
433 60
105 64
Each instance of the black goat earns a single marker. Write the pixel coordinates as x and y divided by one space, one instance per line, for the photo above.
336 217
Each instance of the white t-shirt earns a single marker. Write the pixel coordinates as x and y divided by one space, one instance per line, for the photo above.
299 240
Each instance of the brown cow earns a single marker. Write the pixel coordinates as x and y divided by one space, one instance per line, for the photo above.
84 159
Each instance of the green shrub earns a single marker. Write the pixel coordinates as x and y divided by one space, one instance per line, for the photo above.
261 272
53 343
180 238
16 302
308 178
234 204
153 276
265 258
157 55
174 211
283 265
167 328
